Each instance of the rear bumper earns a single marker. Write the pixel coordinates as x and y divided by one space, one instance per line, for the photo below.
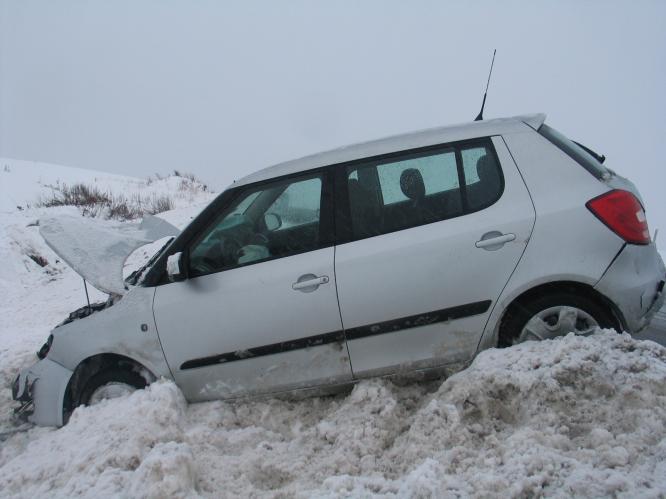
40 390
635 284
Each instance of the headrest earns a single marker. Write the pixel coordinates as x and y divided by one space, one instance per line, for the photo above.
411 183
485 167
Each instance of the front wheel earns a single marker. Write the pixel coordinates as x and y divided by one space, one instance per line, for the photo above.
109 384
553 315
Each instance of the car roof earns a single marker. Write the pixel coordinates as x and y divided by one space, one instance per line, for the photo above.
402 142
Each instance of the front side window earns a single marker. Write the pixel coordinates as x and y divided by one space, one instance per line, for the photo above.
270 221
421 188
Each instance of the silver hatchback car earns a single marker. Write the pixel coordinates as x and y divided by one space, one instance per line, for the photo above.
407 254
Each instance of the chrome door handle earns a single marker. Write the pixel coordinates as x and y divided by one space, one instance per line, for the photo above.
309 282
494 240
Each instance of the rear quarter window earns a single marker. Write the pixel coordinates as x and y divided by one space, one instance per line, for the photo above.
575 152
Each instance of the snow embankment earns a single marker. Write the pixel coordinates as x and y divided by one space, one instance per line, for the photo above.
575 416
24 184
37 289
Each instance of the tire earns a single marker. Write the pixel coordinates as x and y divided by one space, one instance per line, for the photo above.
109 377
516 328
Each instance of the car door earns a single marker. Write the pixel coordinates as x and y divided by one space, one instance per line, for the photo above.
429 240
258 312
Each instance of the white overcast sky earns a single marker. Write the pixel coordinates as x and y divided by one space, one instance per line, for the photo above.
221 89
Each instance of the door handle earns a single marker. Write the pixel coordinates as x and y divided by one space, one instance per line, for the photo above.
494 240
309 282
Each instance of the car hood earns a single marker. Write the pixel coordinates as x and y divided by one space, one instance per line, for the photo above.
97 249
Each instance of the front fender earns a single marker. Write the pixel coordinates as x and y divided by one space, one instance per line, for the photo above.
41 391
127 329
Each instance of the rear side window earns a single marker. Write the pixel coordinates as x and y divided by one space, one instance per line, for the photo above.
386 195
483 178
439 173
575 152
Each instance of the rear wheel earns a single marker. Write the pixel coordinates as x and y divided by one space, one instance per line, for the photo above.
110 383
553 315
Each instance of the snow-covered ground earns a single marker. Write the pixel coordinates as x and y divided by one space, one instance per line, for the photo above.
576 416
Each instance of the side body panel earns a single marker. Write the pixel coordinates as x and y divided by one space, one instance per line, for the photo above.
420 297
568 243
246 330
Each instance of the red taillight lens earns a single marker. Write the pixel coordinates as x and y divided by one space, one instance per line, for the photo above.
623 214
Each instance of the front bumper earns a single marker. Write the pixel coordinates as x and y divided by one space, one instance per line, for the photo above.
40 390
635 283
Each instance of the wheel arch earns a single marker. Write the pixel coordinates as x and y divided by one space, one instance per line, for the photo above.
575 288
94 364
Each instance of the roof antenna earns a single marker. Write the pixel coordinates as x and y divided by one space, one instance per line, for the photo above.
483 104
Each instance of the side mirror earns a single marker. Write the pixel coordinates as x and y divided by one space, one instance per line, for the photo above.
272 221
175 267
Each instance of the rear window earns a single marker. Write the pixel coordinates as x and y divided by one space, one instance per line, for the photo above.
575 152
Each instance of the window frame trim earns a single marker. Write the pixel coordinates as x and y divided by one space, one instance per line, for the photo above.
344 231
210 214
326 218
334 182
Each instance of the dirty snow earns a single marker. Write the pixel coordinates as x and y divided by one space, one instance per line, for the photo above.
571 417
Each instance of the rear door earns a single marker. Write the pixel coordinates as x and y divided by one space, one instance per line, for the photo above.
429 240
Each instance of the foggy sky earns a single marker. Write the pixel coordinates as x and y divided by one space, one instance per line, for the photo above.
221 89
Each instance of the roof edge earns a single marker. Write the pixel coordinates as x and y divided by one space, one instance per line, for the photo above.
399 142
534 120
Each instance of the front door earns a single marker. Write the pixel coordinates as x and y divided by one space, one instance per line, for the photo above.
433 237
259 311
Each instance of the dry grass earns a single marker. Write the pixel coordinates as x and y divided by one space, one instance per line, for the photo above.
94 202
190 182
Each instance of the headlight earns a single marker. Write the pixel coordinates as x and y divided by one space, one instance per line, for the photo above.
43 352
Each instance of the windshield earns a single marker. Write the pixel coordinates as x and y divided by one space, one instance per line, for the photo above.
134 277
579 154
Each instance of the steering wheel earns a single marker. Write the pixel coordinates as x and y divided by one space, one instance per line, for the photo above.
229 248
219 255
257 239
207 265
261 237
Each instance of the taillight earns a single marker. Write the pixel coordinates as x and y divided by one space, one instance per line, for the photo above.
623 214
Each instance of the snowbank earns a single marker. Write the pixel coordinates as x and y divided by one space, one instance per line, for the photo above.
24 183
575 416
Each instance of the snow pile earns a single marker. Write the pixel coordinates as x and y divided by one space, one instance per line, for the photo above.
575 416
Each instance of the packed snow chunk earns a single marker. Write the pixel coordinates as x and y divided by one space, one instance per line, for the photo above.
575 416
167 471
128 444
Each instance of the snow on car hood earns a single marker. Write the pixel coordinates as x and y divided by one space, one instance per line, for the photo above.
97 249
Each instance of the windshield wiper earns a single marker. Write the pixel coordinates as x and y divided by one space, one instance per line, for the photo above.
596 156
134 276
